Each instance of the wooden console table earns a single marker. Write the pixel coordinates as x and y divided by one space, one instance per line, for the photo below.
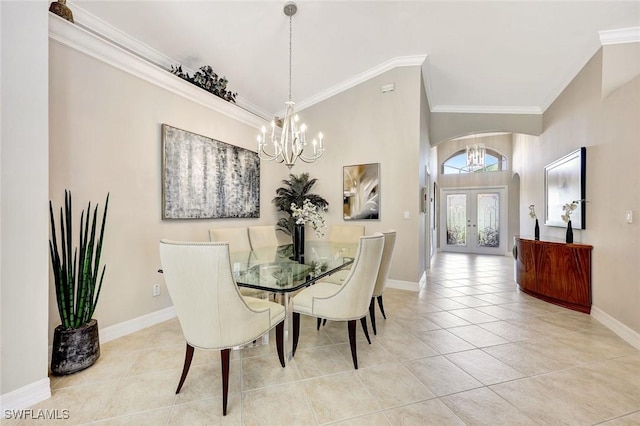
555 272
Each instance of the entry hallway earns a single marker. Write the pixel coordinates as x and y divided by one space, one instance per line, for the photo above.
468 349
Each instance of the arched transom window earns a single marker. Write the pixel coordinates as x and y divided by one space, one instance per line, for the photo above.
457 163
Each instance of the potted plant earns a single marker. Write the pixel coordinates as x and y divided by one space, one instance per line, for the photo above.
78 282
295 191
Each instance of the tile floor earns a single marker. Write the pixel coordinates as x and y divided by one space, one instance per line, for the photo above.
468 349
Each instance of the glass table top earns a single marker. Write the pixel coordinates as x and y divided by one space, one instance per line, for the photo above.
272 268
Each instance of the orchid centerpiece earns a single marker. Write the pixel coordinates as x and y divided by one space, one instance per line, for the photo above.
309 214
532 211
568 209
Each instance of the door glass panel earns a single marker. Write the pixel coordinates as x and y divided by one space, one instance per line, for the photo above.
488 220
457 219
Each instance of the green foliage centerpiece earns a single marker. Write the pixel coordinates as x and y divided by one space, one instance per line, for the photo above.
78 281
205 78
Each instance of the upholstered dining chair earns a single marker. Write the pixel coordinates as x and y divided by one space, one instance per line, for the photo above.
212 313
238 238
348 302
345 233
263 236
383 275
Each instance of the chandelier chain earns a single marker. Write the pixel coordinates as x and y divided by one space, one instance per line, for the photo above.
290 52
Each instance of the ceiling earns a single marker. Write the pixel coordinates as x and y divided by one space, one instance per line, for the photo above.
509 56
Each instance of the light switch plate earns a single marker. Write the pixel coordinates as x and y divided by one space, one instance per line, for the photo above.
629 216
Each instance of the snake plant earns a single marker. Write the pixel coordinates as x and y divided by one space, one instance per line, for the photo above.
75 270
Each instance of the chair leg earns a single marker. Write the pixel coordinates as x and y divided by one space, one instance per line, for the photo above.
187 363
352 341
296 332
381 307
224 358
324 322
372 314
319 322
363 321
280 341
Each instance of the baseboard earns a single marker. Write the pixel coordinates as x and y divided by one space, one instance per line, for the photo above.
403 285
616 326
26 396
136 324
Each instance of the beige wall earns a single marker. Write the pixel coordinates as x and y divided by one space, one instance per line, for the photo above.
363 125
609 129
105 136
449 125
23 188
426 174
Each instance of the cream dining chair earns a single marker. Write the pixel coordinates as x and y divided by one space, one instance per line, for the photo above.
345 233
263 236
212 313
348 302
238 240
383 275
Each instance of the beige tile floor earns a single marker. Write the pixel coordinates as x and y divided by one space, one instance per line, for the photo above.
468 349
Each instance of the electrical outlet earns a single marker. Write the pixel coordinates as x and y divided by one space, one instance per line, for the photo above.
156 290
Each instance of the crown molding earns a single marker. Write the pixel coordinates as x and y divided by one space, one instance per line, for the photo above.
620 36
91 44
100 28
466 109
400 61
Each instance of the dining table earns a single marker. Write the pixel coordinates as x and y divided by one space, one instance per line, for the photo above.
275 271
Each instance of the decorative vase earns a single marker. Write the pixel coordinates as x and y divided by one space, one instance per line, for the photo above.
537 231
61 9
75 349
298 243
569 233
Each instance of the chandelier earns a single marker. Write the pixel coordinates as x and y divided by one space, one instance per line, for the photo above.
292 143
475 156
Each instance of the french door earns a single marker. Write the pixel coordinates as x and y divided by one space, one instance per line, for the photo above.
473 220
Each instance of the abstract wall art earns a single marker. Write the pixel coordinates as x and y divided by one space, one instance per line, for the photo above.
203 178
361 192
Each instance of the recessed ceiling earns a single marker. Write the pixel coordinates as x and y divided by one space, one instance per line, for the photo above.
482 56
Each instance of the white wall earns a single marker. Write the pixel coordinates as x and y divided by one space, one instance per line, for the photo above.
609 129
23 201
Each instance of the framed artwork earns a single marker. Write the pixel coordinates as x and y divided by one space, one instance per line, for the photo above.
564 182
203 178
361 192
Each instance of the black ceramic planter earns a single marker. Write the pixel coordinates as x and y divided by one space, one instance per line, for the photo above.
75 350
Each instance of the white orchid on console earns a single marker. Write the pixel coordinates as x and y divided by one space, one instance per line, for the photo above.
532 211
569 208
